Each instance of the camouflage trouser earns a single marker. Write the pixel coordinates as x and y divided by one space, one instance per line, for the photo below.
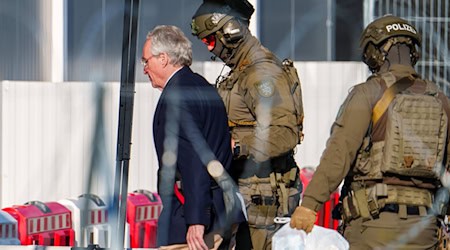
265 199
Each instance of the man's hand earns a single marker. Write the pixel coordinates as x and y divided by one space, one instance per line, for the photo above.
303 218
194 237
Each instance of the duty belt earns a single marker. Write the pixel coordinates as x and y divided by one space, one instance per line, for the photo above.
369 202
393 194
279 183
245 168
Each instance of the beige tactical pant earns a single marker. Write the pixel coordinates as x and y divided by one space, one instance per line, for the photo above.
261 217
262 237
392 232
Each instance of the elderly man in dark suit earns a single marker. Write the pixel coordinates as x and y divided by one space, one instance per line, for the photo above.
190 130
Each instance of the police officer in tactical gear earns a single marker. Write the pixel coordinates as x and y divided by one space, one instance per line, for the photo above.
390 144
263 100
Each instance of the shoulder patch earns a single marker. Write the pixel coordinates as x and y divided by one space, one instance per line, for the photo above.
265 88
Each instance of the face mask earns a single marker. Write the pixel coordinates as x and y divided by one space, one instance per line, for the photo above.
210 41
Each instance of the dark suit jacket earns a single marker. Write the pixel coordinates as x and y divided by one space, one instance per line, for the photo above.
190 128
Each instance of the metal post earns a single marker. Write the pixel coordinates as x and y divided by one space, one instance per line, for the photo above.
127 89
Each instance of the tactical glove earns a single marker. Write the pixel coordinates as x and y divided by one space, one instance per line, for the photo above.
303 218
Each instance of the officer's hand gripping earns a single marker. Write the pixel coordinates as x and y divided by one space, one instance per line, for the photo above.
303 219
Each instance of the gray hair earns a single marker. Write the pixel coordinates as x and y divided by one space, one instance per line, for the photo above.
171 40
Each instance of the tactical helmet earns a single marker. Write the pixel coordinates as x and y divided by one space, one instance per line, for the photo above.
379 36
212 15
221 25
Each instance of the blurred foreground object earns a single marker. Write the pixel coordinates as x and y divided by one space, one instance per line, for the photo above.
322 238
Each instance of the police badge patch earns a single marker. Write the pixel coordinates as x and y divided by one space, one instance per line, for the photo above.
265 88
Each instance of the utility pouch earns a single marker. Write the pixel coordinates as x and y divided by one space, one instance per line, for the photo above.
360 197
363 159
368 163
261 215
350 209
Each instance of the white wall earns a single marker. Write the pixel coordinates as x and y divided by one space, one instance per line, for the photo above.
325 86
46 131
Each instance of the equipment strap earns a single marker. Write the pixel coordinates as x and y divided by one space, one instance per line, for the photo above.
233 124
283 192
389 94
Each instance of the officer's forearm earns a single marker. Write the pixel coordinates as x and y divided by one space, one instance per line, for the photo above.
311 203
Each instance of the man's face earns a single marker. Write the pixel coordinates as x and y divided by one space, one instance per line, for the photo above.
152 66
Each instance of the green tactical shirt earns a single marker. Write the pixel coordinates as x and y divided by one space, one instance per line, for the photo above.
256 96
347 133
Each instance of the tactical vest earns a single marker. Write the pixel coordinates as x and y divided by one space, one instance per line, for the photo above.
278 193
415 136
294 85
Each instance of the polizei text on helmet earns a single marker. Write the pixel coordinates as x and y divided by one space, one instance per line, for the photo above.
400 26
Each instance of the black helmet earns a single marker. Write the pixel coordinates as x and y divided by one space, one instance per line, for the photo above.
379 36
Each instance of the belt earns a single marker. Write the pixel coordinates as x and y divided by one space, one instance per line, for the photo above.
369 202
394 208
